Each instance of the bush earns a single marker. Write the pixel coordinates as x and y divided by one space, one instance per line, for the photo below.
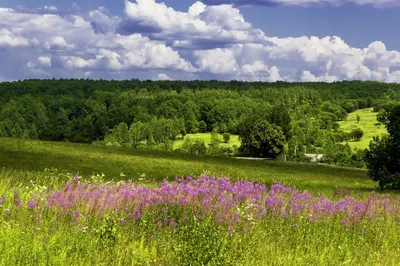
226 137
357 134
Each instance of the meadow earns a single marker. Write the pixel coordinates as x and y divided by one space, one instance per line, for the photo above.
368 124
143 207
206 137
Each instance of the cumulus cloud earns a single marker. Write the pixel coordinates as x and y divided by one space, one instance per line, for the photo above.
74 45
163 76
152 40
201 27
374 3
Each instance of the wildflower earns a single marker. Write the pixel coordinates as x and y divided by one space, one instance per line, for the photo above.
31 204
345 222
17 200
76 178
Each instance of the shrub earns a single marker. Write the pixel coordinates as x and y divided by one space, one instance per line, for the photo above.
226 137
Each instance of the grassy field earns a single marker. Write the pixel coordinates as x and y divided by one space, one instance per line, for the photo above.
88 159
49 217
206 137
368 124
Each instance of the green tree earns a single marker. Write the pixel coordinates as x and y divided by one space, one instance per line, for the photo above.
202 126
226 137
214 145
357 134
280 117
383 157
266 140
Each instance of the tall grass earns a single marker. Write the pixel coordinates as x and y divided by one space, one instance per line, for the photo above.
60 220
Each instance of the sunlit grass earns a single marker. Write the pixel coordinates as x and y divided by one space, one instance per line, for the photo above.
206 137
67 235
368 124
149 164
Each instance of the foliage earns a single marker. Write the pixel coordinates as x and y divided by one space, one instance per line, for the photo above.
356 134
265 140
383 157
194 146
156 113
226 137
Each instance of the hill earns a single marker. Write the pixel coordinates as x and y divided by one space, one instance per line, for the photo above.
368 124
206 137
33 156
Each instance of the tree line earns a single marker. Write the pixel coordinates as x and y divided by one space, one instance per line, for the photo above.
289 118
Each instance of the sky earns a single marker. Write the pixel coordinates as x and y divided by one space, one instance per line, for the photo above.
252 40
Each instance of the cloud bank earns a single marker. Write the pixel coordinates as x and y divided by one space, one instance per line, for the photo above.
306 3
153 41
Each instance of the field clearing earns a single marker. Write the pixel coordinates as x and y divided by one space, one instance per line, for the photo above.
368 124
206 137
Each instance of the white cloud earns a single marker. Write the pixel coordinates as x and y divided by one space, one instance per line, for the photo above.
9 39
305 3
202 27
163 76
204 42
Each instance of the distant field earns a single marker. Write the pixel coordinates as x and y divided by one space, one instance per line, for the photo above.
206 137
33 156
368 124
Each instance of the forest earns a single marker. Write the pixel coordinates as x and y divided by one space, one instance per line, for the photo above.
272 119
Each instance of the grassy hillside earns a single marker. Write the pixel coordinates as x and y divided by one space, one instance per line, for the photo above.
30 155
206 137
46 217
368 124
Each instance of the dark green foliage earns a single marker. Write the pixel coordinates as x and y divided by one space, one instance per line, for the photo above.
226 137
383 157
202 126
279 116
356 134
265 140
194 146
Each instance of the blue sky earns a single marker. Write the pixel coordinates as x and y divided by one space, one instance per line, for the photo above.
264 40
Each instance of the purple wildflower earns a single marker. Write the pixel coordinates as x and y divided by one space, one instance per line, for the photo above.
31 204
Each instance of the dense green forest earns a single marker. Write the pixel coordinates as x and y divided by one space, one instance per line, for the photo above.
299 116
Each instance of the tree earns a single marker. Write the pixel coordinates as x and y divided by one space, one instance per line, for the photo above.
214 143
202 126
280 117
266 140
357 134
383 157
226 137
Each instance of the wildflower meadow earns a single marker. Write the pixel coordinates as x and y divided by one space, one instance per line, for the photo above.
73 220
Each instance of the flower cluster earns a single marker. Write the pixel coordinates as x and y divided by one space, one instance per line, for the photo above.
227 203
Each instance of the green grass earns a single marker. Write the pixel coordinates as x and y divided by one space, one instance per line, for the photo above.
46 237
368 124
206 137
28 155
